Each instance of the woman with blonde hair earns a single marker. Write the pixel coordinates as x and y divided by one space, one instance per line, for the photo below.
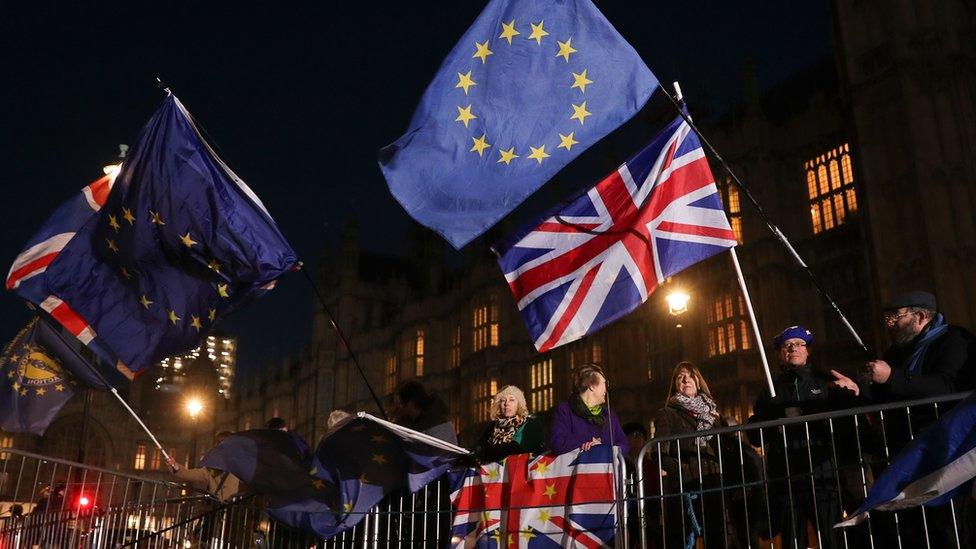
512 430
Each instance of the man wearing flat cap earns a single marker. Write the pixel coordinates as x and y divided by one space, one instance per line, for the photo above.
928 357
807 454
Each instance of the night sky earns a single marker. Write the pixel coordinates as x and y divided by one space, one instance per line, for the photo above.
297 99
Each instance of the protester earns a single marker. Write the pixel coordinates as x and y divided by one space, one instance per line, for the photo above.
585 420
219 484
335 416
809 449
512 430
424 412
636 438
277 424
691 464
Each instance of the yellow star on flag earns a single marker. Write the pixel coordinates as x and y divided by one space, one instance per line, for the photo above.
195 322
212 314
214 266
567 141
550 491
527 534
23 392
173 318
538 154
41 391
59 388
465 82
155 218
465 115
542 468
111 245
187 240
565 49
544 515
482 52
16 386
507 156
145 301
493 473
580 112
508 31
114 223
537 32
318 484
480 144
222 290
509 540
581 81
125 272
127 215
11 373
378 438
379 459
347 507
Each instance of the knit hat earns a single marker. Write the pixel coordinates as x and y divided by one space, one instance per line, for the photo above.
793 332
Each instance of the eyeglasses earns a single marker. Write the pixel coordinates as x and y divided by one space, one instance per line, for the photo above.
793 344
892 318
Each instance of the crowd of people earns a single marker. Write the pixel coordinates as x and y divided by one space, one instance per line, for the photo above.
802 465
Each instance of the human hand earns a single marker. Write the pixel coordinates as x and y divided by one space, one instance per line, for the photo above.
172 464
843 382
595 441
878 371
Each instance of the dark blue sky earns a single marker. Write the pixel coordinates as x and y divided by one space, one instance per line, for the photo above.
298 99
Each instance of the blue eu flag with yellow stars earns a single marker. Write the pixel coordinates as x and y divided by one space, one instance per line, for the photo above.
141 266
531 85
34 378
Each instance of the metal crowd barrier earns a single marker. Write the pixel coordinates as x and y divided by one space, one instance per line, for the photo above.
776 484
785 483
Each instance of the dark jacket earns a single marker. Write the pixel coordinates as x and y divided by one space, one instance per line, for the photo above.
670 421
433 412
949 366
528 439
801 392
570 431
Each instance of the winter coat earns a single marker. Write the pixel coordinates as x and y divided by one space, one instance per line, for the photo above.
569 431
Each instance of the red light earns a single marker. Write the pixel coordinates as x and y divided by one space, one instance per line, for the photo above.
83 501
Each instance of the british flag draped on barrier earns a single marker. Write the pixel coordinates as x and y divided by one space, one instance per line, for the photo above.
602 255
545 501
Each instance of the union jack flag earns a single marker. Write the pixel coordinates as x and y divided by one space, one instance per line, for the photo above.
545 501
601 256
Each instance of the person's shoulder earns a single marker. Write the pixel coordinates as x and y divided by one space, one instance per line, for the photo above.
960 333
665 413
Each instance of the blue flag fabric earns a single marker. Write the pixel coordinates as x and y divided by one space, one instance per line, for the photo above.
931 470
34 384
140 268
353 469
530 85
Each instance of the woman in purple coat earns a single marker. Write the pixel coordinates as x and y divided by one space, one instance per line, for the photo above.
585 421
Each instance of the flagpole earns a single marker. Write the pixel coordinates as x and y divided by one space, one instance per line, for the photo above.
769 224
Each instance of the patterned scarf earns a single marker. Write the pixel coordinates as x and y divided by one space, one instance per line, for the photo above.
504 430
701 407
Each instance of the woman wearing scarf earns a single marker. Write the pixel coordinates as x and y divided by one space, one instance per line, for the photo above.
691 464
512 429
585 421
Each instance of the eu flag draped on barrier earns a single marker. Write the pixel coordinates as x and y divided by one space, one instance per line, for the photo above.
601 256
530 85
354 467
34 383
546 501
139 268
931 470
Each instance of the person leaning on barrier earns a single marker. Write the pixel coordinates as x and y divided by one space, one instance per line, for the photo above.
691 464
220 484
585 420
807 457
512 430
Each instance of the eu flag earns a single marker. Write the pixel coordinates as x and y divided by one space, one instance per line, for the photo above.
531 85
34 384
140 267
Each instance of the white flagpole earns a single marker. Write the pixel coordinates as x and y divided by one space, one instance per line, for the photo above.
748 300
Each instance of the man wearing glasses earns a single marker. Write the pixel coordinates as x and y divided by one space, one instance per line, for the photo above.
928 357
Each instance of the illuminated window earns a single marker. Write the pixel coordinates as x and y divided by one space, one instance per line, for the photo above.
413 352
830 187
596 352
733 207
140 462
728 329
541 386
420 352
456 347
6 442
391 374
154 461
484 322
483 392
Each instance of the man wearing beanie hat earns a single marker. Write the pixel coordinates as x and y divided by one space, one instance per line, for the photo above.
928 357
802 391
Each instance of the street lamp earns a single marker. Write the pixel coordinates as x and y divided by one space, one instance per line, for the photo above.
678 305
194 406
